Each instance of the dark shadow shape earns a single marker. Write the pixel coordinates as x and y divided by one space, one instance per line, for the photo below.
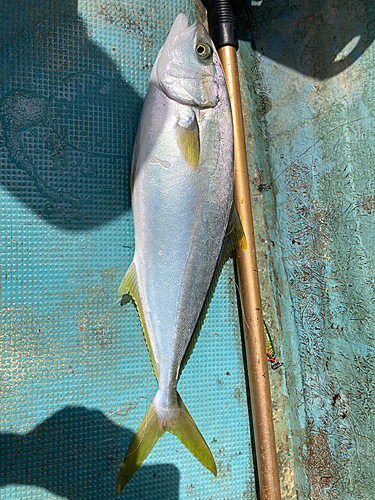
308 35
67 119
77 454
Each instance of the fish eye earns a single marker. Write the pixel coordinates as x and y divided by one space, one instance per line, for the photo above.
203 50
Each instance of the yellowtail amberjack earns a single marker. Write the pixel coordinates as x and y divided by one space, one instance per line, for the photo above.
185 223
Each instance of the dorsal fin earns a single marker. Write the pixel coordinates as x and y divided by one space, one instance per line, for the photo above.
234 239
128 290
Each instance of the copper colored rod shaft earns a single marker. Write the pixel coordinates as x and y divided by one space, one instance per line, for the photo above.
251 305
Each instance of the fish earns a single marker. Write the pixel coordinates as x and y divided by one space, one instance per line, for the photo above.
186 224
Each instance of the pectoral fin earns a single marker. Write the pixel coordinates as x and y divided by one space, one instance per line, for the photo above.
189 143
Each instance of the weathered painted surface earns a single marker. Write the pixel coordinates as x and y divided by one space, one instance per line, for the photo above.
309 68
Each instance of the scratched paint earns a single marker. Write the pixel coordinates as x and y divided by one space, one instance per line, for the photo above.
310 72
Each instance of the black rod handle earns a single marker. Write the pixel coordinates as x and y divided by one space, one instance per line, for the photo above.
221 23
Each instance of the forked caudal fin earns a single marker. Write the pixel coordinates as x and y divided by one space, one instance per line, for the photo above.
150 431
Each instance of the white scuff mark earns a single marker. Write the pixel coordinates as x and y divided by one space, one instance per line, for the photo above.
349 47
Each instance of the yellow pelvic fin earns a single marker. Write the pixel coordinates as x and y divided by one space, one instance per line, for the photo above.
129 290
151 429
189 143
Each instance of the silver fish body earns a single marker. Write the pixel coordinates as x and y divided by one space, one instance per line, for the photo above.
182 195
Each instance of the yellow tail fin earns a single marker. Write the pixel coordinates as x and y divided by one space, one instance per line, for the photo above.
151 429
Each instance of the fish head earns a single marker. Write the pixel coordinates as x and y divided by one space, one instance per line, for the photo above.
188 68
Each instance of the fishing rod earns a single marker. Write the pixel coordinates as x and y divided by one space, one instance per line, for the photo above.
224 35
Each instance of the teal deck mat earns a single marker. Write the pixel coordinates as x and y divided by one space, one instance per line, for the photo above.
75 374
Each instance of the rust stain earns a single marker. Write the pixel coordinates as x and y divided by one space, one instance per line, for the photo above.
137 20
368 204
320 465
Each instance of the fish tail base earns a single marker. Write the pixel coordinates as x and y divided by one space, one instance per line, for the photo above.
151 430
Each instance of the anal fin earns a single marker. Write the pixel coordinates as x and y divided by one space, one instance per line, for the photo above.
128 290
129 283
